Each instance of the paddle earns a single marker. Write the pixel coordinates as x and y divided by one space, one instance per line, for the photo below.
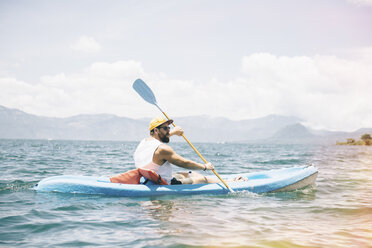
146 93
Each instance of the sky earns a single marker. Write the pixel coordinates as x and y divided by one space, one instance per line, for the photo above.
237 59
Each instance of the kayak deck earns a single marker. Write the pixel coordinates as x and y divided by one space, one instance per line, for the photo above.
277 180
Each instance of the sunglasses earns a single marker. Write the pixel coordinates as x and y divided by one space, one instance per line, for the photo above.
166 128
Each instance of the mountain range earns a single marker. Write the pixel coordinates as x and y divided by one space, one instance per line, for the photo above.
16 124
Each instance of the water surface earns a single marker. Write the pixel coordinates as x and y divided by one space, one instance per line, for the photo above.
336 212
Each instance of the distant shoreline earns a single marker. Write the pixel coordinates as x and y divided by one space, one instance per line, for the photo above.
365 140
354 144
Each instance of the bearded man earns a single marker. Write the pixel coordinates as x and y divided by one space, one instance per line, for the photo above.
153 153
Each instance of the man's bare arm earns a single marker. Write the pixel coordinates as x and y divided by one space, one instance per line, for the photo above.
165 152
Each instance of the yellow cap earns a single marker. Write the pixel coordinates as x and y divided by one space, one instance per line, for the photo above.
159 121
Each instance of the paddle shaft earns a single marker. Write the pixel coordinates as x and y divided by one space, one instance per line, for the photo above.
197 152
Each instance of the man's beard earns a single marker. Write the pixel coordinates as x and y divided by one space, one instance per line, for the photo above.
164 138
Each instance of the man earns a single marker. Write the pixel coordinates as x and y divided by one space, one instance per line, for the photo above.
153 154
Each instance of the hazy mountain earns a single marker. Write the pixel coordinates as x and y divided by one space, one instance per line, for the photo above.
16 124
296 133
219 129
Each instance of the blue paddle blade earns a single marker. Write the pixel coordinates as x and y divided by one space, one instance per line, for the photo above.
144 91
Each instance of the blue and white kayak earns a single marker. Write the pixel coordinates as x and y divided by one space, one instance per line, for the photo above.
278 180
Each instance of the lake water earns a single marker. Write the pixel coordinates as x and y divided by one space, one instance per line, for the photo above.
336 212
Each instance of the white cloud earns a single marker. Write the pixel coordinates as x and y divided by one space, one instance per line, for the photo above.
100 88
86 44
361 2
325 91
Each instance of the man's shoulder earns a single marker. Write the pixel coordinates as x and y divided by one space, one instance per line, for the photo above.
164 149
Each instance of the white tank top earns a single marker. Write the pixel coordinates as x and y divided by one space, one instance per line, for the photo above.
143 158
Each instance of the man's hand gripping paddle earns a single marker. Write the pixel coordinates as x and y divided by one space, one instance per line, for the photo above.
146 93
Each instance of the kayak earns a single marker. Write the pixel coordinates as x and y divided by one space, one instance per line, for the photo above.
278 180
